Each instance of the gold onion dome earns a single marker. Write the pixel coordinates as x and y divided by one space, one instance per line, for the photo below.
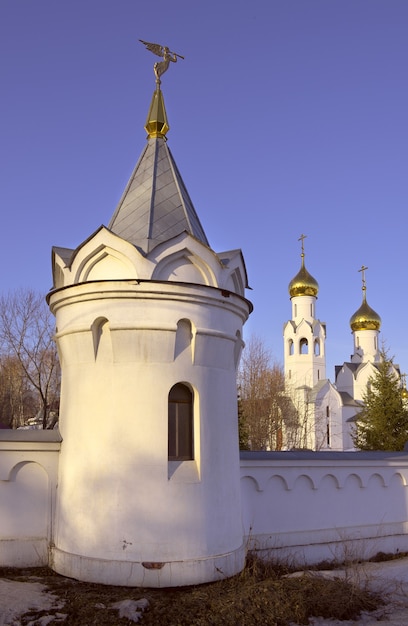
365 318
303 284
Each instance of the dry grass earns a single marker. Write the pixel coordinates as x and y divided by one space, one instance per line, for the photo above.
261 594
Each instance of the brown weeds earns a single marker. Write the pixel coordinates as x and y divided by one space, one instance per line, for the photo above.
261 594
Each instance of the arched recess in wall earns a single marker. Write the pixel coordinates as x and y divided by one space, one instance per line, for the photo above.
304 481
303 346
105 263
180 423
353 481
102 341
184 266
276 482
376 480
238 346
329 482
317 347
399 479
26 500
184 338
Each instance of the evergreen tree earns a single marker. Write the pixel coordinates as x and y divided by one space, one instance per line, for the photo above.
383 422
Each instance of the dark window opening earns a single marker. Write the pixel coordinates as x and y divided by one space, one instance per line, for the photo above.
304 347
291 347
180 423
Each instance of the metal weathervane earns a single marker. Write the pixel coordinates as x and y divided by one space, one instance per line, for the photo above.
162 51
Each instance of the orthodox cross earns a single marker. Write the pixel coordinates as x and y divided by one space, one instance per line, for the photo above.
302 239
362 270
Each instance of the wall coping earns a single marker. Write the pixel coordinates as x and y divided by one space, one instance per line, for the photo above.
296 456
30 435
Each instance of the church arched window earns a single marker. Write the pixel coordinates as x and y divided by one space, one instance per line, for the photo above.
291 347
180 423
317 347
303 346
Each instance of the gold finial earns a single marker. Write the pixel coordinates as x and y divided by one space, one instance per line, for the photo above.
362 269
162 51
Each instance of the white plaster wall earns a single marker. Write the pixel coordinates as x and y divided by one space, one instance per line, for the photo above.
308 507
303 507
366 347
120 502
28 477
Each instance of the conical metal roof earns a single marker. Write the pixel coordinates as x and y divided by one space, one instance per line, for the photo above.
156 205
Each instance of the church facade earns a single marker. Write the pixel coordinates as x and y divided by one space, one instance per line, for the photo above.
327 411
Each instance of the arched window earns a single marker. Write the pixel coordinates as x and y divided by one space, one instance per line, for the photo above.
180 423
291 347
317 347
303 346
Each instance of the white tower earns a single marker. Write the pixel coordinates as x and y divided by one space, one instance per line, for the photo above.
149 323
304 335
365 324
304 357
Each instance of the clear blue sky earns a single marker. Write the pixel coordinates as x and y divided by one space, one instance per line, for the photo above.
287 117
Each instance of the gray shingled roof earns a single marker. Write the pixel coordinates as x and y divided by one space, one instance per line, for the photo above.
155 205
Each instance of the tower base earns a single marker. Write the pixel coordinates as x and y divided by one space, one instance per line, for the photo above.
148 574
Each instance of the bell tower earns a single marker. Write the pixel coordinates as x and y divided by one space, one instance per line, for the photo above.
304 335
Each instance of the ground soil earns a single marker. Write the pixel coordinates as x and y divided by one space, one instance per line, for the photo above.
262 594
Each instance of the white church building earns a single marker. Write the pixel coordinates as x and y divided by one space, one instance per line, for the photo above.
327 411
143 483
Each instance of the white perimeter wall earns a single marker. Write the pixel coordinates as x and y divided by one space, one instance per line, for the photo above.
306 507
28 478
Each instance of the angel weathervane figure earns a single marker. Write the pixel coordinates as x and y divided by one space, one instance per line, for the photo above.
162 51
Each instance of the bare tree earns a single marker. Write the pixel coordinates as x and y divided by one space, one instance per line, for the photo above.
15 396
267 411
26 335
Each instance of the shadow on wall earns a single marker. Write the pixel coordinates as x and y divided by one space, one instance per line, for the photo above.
325 500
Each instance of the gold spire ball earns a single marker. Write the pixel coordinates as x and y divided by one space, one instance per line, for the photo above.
365 318
157 124
303 284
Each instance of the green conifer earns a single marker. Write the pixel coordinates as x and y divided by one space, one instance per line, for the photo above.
383 422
